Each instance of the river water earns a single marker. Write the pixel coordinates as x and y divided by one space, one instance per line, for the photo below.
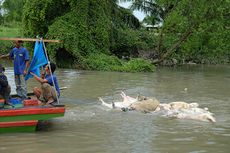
90 127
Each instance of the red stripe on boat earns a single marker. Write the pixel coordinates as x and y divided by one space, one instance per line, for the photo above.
30 102
18 123
32 111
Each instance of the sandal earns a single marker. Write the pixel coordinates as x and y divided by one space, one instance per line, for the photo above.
7 103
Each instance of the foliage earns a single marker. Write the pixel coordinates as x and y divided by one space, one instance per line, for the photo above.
151 20
38 15
98 34
147 39
1 19
126 43
208 43
103 62
191 30
8 32
90 30
81 36
138 65
12 10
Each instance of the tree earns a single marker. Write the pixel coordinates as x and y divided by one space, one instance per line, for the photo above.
13 9
183 21
86 27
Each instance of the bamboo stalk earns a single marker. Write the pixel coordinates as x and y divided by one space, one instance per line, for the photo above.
29 39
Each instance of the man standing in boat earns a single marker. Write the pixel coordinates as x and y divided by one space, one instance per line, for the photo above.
20 56
49 90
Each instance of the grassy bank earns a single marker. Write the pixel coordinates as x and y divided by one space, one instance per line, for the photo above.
8 31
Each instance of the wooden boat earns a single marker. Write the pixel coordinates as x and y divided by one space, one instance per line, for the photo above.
24 116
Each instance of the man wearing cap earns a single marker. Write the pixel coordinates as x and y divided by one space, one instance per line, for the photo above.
20 56
4 86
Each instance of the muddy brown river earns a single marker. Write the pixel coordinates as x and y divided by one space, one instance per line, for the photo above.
89 127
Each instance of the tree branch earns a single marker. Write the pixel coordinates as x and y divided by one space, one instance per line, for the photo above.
177 44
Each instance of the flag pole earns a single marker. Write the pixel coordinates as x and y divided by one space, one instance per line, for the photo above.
50 70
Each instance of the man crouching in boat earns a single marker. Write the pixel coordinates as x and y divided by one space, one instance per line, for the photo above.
47 94
4 86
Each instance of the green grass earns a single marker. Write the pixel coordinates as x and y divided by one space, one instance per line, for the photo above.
9 31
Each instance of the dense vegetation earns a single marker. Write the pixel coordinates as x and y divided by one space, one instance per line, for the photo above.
195 31
100 35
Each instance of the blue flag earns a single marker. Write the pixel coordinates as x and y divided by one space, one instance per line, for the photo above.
39 59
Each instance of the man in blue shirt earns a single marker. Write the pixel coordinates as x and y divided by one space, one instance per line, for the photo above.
20 56
49 90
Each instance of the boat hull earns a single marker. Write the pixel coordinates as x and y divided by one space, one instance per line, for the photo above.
25 118
31 113
18 126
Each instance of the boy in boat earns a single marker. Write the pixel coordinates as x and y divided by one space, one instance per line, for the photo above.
4 86
49 90
20 56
